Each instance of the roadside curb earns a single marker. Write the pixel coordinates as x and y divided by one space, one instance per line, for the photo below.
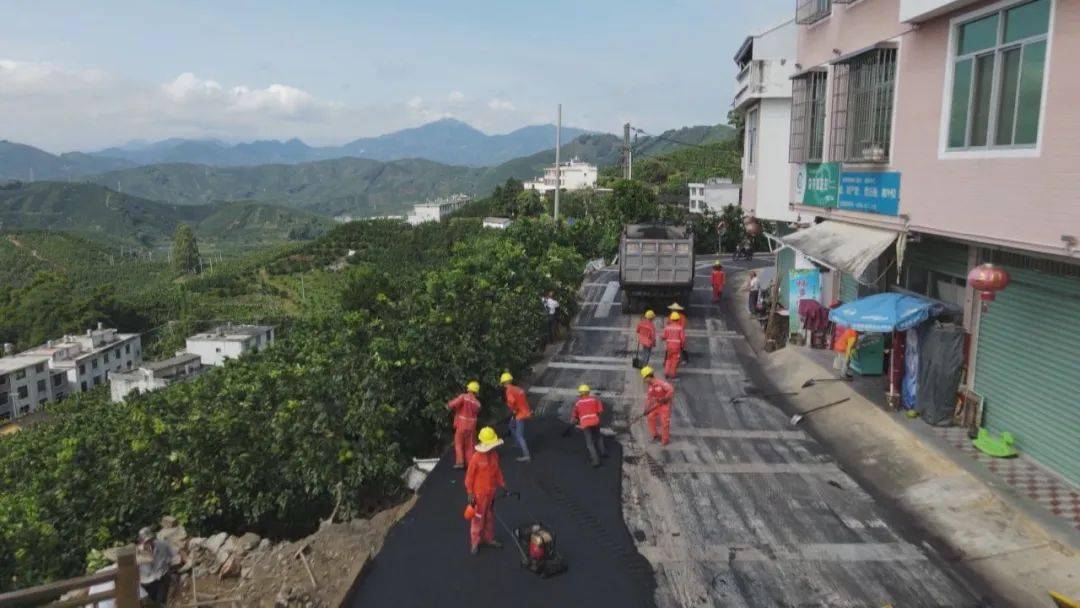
1015 550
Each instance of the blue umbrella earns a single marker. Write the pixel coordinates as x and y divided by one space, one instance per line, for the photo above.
885 312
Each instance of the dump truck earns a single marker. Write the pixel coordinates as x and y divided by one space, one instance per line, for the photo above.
656 265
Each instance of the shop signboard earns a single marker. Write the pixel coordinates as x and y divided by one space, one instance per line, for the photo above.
803 284
870 192
816 184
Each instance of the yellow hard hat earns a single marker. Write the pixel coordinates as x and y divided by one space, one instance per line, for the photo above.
649 314
584 388
646 371
716 263
506 377
674 316
488 435
473 386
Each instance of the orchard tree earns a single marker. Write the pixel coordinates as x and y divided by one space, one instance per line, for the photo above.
185 251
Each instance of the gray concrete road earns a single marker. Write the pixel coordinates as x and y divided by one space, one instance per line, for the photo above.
741 509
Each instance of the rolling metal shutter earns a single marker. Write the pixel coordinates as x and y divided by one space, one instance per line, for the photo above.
849 288
1028 367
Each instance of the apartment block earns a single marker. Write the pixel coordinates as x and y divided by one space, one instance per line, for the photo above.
229 342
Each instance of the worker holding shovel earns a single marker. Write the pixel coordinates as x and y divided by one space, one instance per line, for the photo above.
646 333
658 397
482 479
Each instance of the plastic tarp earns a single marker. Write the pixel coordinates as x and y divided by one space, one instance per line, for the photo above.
940 362
909 388
885 312
842 246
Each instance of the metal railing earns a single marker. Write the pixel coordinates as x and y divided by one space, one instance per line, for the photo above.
863 90
812 11
124 592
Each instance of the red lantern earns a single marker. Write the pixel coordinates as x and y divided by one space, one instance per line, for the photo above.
752 225
988 279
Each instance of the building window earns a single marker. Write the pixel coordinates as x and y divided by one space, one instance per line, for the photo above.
82 369
998 71
863 88
24 410
39 368
127 349
3 380
20 374
97 380
42 401
812 11
751 139
83 386
93 363
3 398
23 392
58 379
808 117
41 386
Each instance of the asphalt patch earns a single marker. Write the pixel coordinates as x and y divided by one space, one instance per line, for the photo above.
425 561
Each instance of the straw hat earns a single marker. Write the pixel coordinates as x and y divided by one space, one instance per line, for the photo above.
488 440
675 306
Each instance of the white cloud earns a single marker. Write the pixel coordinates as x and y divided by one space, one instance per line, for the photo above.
36 78
456 97
501 105
416 102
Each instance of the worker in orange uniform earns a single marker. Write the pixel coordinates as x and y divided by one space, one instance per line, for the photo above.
466 408
674 307
646 335
519 412
586 414
717 280
658 397
674 338
482 479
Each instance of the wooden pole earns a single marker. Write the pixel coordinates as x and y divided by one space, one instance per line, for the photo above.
127 578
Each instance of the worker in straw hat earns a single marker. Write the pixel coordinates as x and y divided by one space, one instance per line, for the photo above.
675 308
674 338
482 479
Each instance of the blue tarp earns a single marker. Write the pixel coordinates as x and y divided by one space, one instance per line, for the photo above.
885 312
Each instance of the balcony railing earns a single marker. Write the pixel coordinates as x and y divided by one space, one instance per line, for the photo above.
812 11
124 592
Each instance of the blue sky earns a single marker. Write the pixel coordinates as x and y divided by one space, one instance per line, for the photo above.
76 77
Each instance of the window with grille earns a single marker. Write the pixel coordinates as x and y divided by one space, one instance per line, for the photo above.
998 70
751 140
812 11
862 109
808 117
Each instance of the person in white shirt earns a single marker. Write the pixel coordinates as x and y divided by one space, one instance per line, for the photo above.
551 306
753 289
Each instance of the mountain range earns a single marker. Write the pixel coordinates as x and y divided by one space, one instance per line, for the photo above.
447 141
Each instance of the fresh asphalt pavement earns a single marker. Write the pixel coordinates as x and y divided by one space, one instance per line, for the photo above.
741 509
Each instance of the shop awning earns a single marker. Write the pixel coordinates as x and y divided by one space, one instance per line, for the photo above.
885 312
845 247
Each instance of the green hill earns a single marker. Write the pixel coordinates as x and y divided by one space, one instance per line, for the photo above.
23 162
123 220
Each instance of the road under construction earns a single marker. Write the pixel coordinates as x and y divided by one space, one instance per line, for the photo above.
741 509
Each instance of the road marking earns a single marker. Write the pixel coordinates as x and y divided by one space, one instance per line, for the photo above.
740 434
690 333
590 359
559 391
752 468
607 300
711 371
818 552
597 366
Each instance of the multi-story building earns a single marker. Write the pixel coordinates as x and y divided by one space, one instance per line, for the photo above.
155 374
766 62
713 195
229 342
574 175
436 209
26 382
58 368
932 136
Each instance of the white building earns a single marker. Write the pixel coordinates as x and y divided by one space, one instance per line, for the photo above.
229 342
575 175
26 382
436 209
766 63
154 375
58 368
715 194
499 223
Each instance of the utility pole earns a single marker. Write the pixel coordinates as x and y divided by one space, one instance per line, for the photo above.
558 167
626 151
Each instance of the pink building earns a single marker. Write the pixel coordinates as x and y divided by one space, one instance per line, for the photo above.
935 135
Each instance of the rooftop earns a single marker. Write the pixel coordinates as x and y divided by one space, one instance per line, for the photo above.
16 362
180 359
231 333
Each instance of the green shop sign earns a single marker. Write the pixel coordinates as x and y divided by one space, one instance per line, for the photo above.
818 184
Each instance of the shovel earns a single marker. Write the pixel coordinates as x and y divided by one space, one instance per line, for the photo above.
813 381
797 418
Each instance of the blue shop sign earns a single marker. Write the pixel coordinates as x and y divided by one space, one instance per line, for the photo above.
870 192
